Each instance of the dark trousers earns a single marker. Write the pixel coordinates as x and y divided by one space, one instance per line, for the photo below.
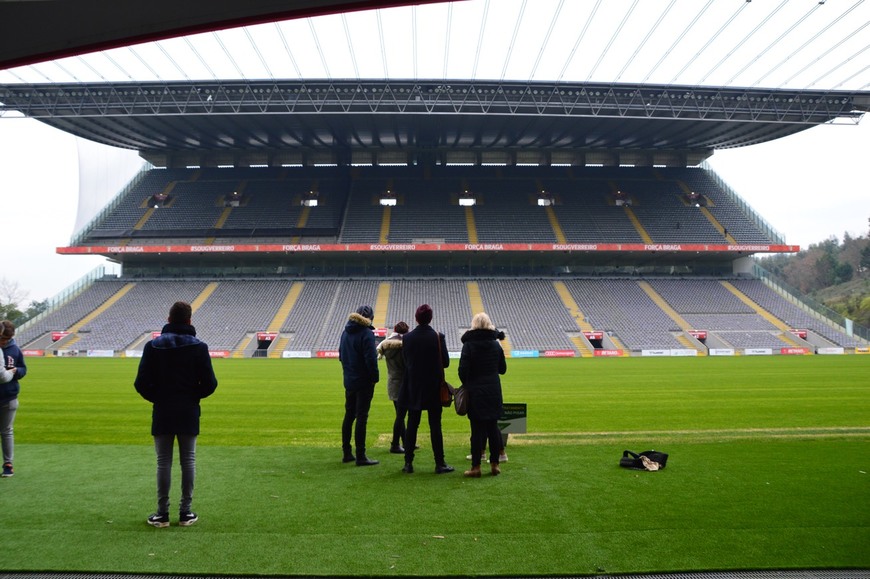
399 425
414 417
356 409
481 432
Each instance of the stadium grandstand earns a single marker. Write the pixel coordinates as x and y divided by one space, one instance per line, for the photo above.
580 214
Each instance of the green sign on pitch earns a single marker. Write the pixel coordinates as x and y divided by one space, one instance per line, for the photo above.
513 418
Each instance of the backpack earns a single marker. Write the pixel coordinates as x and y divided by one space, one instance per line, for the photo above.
646 460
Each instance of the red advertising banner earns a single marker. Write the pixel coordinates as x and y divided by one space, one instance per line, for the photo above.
594 335
55 336
800 333
32 353
698 334
381 332
608 353
219 353
405 247
266 336
155 335
327 354
793 351
558 354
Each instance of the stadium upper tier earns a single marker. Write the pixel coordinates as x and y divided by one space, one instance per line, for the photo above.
447 205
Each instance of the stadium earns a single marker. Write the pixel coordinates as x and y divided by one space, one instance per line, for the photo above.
582 215
297 199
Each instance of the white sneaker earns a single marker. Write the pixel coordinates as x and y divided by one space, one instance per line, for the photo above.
502 458
482 458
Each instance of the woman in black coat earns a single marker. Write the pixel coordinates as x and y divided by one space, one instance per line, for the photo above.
481 363
424 352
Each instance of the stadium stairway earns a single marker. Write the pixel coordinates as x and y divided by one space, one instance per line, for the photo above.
381 303
476 302
471 225
706 212
203 295
301 222
75 328
672 313
580 343
717 225
554 223
384 237
283 312
146 204
786 335
637 225
244 349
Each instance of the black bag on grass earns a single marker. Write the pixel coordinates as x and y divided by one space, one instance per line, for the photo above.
646 460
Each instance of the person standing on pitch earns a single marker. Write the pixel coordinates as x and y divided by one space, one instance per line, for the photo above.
13 369
175 373
425 354
359 365
391 350
481 363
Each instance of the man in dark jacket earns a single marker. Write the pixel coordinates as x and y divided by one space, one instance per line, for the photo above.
359 364
13 369
425 354
175 373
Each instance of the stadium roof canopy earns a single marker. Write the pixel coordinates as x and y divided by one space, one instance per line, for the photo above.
678 76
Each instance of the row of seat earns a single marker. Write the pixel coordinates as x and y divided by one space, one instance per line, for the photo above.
116 315
584 205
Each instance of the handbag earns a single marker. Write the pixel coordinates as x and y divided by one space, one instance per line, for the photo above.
447 390
447 393
650 460
460 400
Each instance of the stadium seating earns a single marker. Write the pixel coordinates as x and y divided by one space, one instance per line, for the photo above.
251 204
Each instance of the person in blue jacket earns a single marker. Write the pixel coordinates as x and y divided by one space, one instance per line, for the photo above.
175 373
359 364
13 370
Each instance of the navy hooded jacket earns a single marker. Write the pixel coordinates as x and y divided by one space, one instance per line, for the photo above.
12 357
358 354
175 373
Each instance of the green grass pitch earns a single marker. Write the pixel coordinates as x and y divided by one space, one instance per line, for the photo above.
768 469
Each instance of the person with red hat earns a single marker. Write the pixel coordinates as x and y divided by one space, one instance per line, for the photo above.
425 353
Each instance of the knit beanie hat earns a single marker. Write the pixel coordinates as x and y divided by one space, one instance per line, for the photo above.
423 314
366 312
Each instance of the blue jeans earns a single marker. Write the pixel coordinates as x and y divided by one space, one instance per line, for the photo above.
164 445
7 417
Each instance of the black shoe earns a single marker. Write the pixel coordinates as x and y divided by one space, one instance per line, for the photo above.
408 468
443 469
159 520
363 460
348 458
397 450
187 519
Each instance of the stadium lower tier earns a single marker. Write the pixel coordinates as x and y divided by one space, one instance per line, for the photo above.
581 317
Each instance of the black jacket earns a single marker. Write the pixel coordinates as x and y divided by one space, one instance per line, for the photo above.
421 389
358 355
481 362
175 373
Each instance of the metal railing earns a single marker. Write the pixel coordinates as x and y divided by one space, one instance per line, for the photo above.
842 323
